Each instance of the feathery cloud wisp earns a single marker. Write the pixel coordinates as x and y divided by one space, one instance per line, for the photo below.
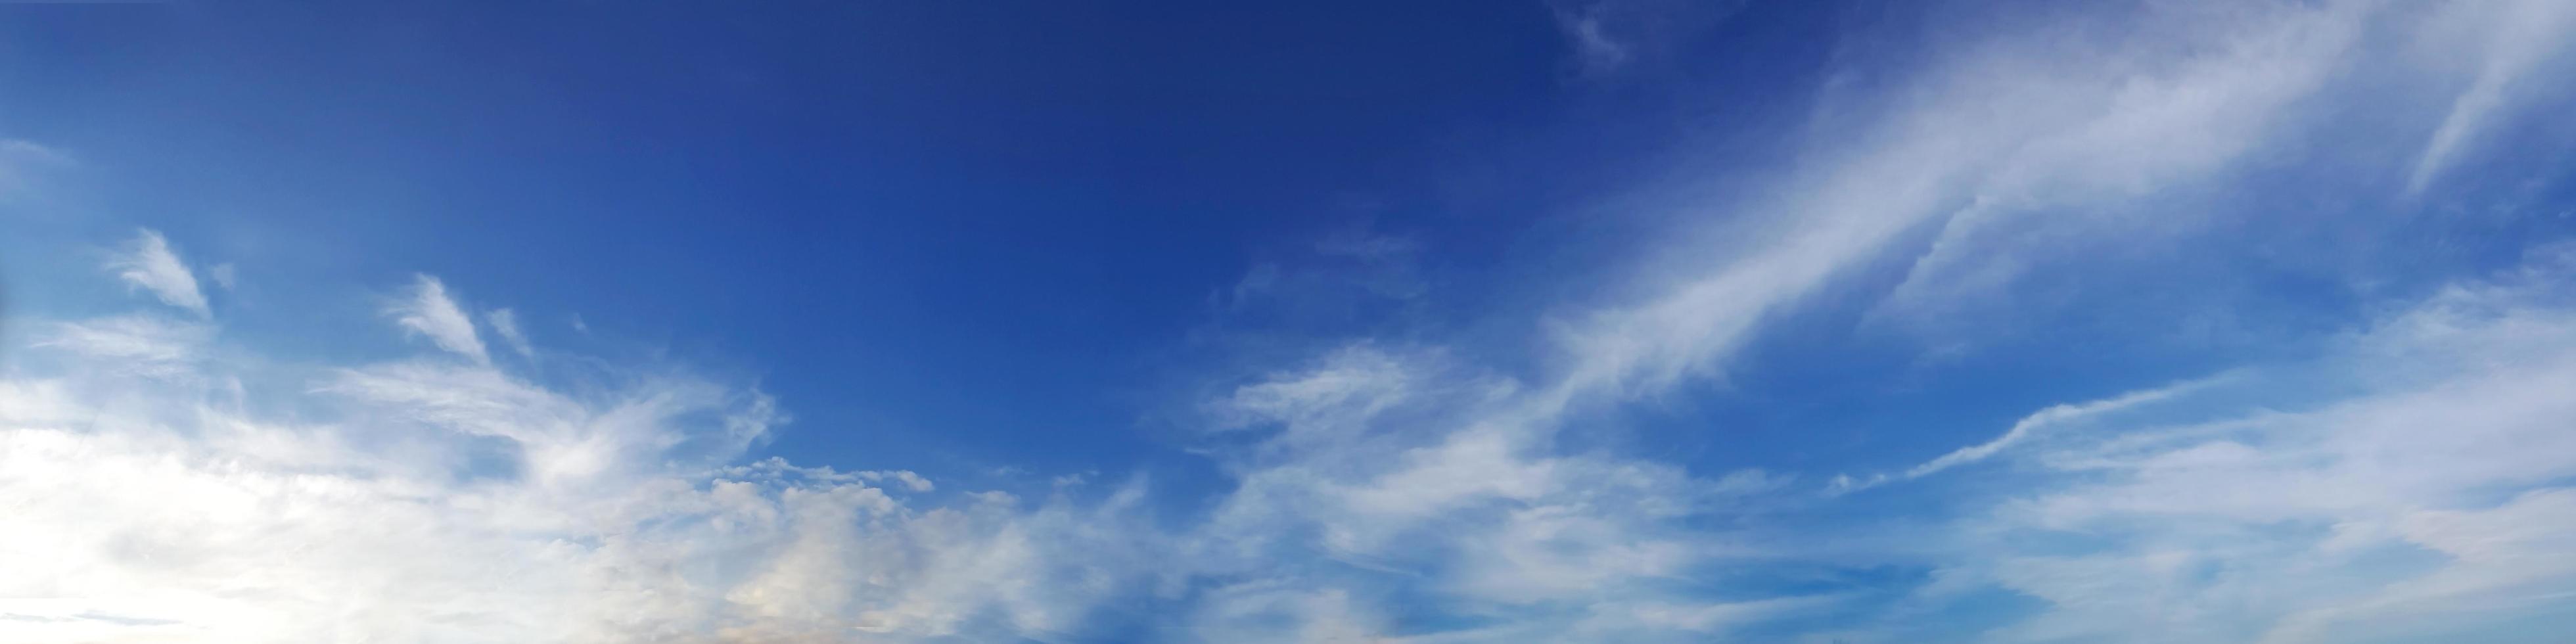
429 312
505 322
18 158
1383 487
148 263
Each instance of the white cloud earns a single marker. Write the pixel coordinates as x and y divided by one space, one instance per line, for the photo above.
1409 470
222 274
2023 429
1406 463
1272 610
506 323
148 263
1593 46
2512 40
230 499
18 159
1329 404
2018 127
136 344
2514 557
2297 526
428 311
1376 482
1713 618
1609 36
907 478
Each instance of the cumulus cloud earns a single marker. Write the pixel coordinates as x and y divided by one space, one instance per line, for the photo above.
148 263
429 312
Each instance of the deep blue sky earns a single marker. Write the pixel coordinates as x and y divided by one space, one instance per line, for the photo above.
904 210
1578 320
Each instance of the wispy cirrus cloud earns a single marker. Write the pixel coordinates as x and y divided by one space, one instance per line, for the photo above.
2515 43
505 323
2408 476
143 344
1606 37
2253 508
148 263
428 311
2014 128
2038 129
2026 429
19 159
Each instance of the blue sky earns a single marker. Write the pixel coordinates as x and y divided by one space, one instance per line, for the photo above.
1618 320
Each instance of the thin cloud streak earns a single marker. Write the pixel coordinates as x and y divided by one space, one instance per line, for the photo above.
2516 40
165 484
429 312
2023 127
148 263
505 323
2023 430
